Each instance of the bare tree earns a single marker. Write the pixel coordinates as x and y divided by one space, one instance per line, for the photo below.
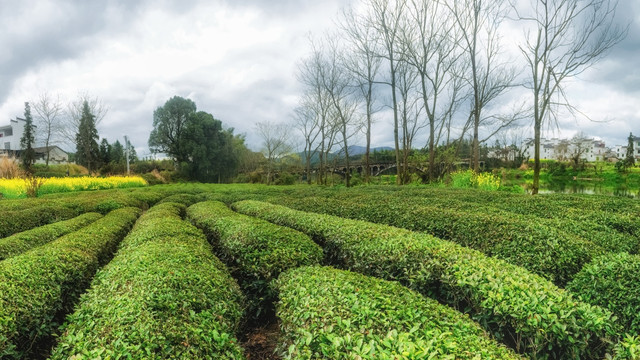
308 122
477 22
430 45
310 74
386 18
411 115
74 114
275 143
364 65
565 38
49 115
336 80
580 144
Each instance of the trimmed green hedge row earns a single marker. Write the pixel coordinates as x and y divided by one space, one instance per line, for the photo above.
592 217
592 225
58 208
163 296
185 199
333 314
12 222
544 250
519 308
256 250
21 242
40 285
613 282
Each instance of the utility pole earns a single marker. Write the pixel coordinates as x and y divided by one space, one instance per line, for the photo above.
126 142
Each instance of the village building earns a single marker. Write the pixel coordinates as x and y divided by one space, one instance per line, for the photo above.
10 136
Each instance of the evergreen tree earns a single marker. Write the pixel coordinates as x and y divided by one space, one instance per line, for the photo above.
105 152
117 152
133 156
630 159
27 140
88 152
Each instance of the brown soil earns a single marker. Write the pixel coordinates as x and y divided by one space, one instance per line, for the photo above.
261 342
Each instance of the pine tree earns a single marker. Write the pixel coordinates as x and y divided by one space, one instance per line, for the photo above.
630 160
105 152
27 140
87 149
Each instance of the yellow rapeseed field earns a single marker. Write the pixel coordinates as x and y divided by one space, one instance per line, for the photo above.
17 188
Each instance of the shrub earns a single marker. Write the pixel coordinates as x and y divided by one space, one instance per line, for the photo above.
613 282
41 285
257 250
163 296
12 222
517 307
334 314
627 349
185 199
544 250
9 168
462 179
21 242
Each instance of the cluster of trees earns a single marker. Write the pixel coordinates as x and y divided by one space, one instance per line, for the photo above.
201 147
439 66
630 156
74 125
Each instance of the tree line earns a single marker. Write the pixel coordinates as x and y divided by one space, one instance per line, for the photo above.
75 125
440 66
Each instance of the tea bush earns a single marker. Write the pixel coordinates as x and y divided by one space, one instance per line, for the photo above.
627 349
12 222
21 242
544 250
41 285
613 282
333 314
163 296
256 250
517 307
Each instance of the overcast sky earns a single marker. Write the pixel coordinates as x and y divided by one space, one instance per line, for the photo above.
235 59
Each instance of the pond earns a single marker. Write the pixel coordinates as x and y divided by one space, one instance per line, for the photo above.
587 187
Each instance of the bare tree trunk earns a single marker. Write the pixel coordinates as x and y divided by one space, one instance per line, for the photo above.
568 37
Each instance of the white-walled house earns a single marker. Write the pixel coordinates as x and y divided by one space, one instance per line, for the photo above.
11 134
565 149
56 155
621 150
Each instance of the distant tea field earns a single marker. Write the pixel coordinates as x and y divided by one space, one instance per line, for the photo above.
195 271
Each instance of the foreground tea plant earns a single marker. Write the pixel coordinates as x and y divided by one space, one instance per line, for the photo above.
38 287
332 314
163 296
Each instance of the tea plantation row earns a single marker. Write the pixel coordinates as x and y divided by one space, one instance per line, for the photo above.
165 294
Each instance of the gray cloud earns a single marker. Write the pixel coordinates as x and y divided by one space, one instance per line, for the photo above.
135 55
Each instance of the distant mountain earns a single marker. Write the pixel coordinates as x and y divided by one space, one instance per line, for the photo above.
360 150
354 151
